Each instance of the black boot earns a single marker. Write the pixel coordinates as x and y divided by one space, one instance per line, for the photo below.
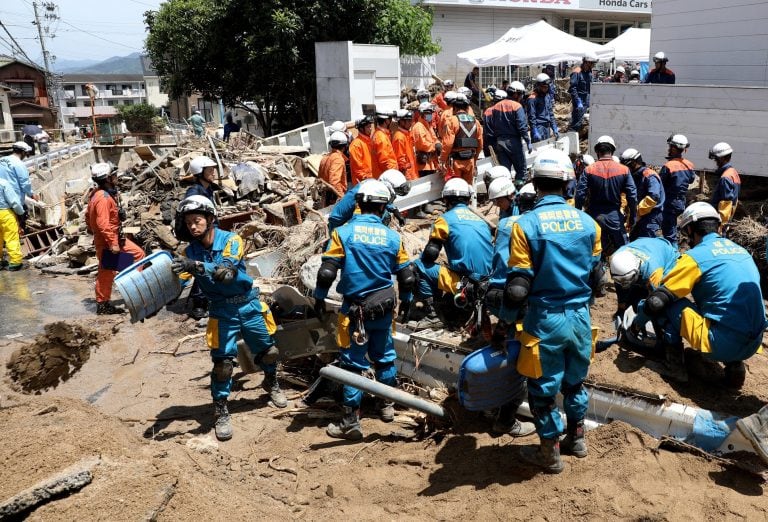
107 308
430 319
546 456
223 425
272 387
349 428
199 309
386 410
574 442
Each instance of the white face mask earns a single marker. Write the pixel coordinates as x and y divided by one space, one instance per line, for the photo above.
428 117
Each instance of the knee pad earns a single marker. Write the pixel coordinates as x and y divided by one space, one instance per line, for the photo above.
571 389
222 370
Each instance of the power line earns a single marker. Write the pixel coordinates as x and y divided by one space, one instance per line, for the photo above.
20 49
99 37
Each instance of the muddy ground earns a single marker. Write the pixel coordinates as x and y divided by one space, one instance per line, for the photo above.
146 416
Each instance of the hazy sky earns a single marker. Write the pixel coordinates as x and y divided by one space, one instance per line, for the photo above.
87 29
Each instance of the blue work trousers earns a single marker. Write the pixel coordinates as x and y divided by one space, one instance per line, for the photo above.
647 226
577 117
509 152
555 355
614 233
253 320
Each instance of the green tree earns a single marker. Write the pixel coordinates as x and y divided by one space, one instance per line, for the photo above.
138 118
263 52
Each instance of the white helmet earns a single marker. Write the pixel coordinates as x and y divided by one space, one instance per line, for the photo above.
696 212
499 94
461 99
625 268
621 69
526 197
100 171
679 141
660 56
499 171
542 78
373 191
448 83
395 180
605 140
634 72
403 114
197 205
338 139
553 164
501 187
422 93
719 150
338 126
457 187
450 96
516 87
466 91
427 107
21 146
527 190
197 165
588 159
590 56
630 155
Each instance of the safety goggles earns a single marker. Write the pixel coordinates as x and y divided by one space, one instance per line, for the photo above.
625 280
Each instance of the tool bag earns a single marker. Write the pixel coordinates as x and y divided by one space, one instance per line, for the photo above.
375 305
488 377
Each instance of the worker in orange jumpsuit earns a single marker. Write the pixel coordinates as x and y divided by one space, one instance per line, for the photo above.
361 151
462 142
103 217
426 146
402 143
450 97
440 97
333 169
383 153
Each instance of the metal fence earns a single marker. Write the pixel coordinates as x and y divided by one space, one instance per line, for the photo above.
48 159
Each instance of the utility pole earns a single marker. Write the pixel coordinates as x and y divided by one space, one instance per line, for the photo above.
50 15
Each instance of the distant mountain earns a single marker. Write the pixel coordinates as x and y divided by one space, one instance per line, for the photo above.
130 64
70 66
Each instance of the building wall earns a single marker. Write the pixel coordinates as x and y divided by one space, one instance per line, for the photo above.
712 42
154 95
18 71
6 121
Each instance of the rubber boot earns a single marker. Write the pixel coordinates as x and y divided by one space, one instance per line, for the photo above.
15 267
386 410
675 362
430 319
735 375
223 424
545 456
506 424
107 308
272 387
755 429
574 442
348 428
199 309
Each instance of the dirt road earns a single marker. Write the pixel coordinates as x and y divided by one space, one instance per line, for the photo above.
147 416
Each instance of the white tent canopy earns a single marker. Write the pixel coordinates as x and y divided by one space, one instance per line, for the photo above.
533 44
633 45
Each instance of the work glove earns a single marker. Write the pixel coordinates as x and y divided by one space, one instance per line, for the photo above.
184 264
535 136
225 274
557 135
438 148
319 308
530 148
579 105
398 216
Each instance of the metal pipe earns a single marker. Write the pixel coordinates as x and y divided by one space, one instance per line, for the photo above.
378 389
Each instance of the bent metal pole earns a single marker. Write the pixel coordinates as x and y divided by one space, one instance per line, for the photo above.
381 390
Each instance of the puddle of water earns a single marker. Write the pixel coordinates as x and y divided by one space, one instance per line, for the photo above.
29 299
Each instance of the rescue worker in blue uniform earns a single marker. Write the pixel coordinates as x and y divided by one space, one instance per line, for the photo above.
726 195
726 319
554 249
600 188
579 89
368 254
347 207
509 126
203 169
468 247
637 269
215 258
502 192
541 112
650 196
489 138
549 70
491 175
676 175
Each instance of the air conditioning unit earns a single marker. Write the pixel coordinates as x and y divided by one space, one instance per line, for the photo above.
7 136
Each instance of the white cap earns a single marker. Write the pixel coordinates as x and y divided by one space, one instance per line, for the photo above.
20 145
660 56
